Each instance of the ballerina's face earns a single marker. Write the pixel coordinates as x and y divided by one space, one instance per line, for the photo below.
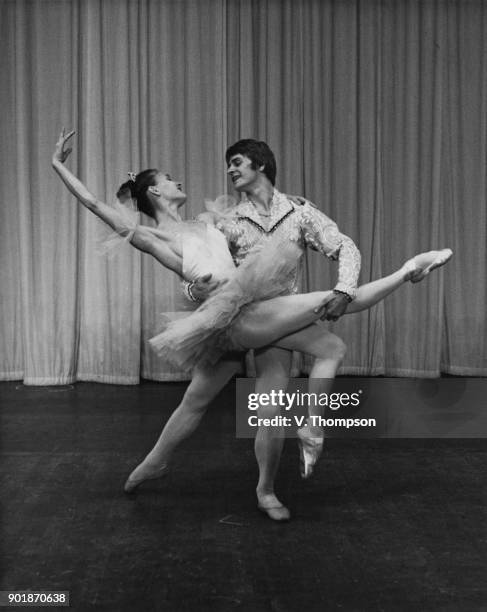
170 189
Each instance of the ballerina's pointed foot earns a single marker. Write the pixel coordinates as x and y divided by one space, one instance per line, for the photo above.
310 449
141 474
270 505
420 266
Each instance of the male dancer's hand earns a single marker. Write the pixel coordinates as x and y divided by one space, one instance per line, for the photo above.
335 307
203 287
296 199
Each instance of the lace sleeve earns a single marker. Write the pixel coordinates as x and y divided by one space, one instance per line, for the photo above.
322 234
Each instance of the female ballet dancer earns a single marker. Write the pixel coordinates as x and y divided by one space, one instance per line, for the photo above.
242 313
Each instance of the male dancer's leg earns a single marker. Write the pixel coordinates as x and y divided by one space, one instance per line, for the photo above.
272 368
205 385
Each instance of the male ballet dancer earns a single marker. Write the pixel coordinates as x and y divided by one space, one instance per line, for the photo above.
262 213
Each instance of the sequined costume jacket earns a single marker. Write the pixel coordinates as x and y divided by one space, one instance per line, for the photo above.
302 223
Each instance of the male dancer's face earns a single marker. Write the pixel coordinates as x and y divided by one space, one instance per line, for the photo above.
242 174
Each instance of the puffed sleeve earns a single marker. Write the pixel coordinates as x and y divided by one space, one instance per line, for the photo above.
322 234
229 229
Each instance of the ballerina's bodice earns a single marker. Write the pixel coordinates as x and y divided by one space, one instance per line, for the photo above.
205 251
206 333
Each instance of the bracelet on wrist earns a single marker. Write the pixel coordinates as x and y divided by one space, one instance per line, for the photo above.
190 293
338 292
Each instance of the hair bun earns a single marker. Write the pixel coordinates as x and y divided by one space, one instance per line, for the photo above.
127 190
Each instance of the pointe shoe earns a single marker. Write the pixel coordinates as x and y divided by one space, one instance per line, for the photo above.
420 266
277 512
136 479
310 450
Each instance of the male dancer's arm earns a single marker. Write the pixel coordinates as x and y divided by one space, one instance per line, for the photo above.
322 234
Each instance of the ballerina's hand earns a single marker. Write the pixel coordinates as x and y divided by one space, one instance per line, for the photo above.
60 154
203 287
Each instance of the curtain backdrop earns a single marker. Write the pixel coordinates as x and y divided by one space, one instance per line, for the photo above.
377 112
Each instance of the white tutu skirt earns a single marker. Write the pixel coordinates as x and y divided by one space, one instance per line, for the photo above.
206 334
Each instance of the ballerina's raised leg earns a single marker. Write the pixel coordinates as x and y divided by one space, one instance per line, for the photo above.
265 323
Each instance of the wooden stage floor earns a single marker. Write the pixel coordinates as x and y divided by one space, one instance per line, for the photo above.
384 524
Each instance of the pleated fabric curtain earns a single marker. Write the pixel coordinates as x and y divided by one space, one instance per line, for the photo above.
142 83
376 112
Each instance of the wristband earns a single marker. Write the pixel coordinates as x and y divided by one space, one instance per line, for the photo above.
188 293
338 292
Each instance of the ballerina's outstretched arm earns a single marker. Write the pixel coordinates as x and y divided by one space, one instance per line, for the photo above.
141 237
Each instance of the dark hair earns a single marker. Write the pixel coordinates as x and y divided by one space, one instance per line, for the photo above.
138 190
258 152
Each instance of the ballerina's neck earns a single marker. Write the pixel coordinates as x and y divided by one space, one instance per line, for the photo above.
167 218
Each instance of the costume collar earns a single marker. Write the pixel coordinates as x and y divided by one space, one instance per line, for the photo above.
280 208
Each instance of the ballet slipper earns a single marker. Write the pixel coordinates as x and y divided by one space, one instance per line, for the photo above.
141 474
420 266
310 449
276 513
273 508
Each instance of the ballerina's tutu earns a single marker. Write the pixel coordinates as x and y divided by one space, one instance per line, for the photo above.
206 334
